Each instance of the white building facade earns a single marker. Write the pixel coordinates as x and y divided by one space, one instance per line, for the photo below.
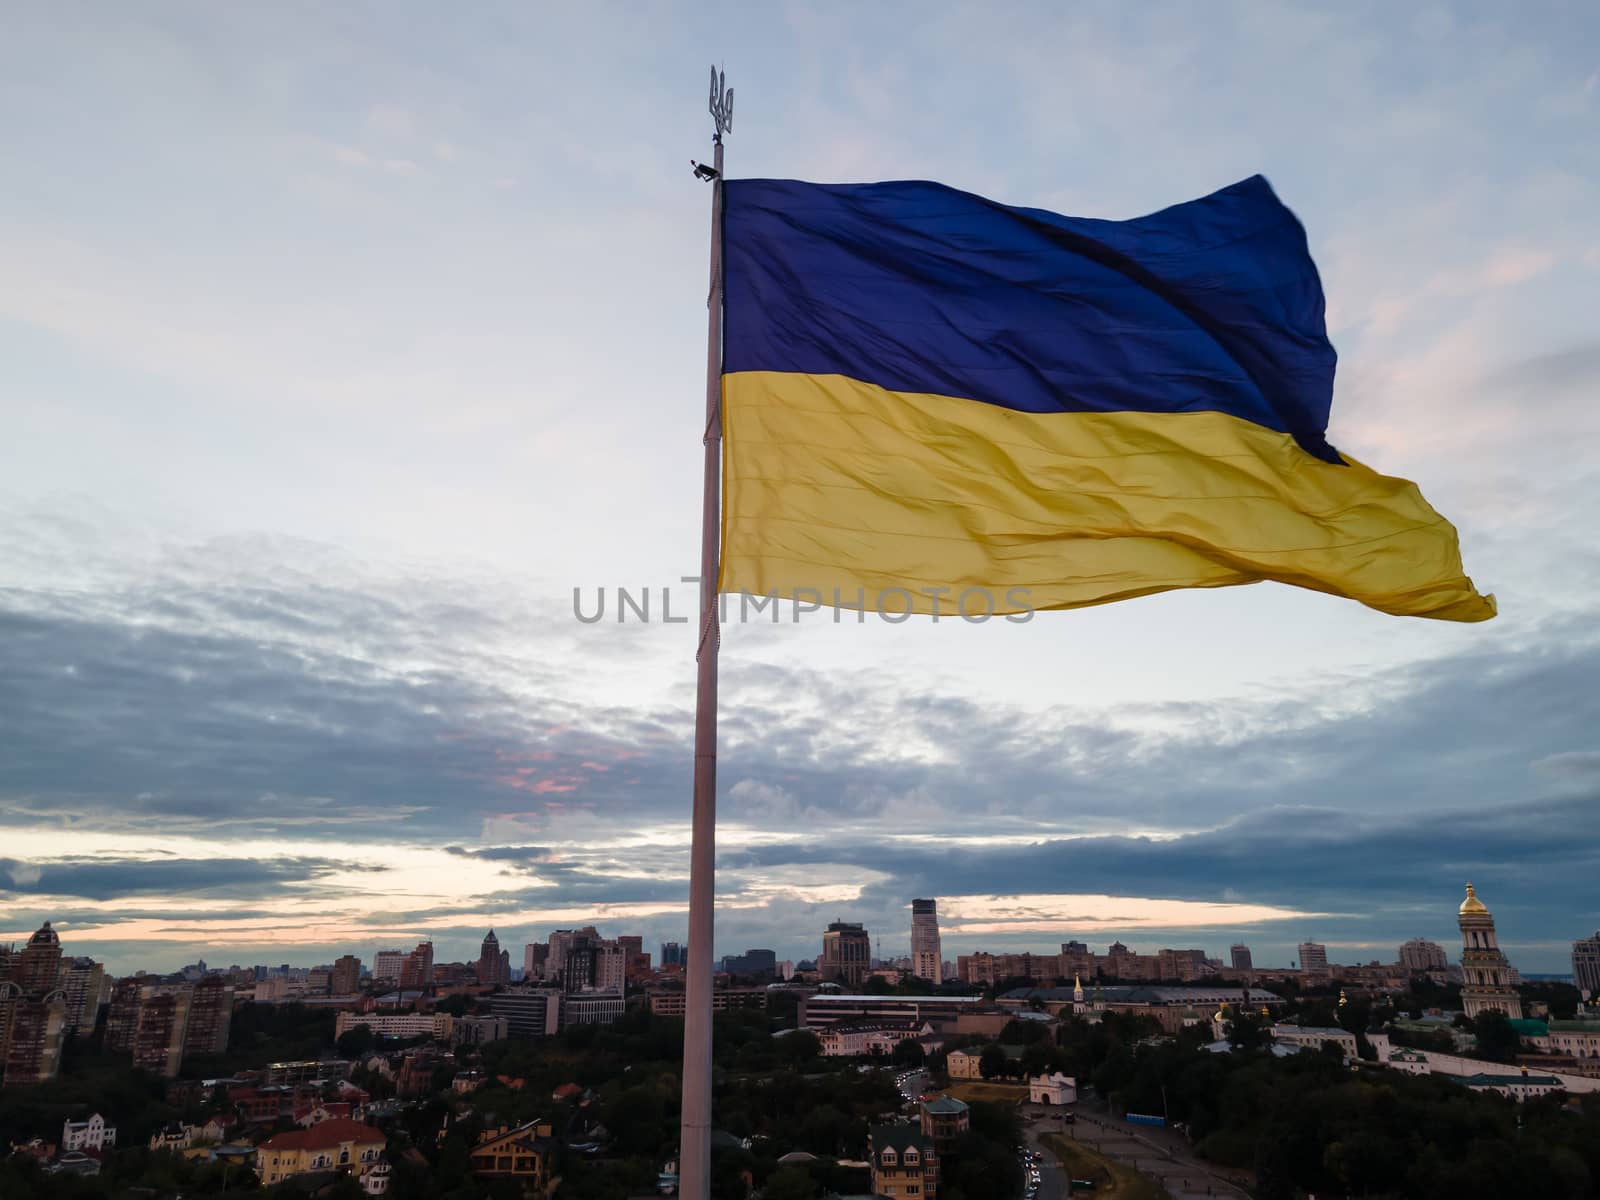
92 1134
1054 1088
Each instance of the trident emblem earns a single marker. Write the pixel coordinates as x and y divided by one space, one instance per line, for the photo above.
721 102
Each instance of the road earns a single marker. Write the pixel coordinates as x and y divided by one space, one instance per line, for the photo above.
912 1083
1053 1181
1161 1154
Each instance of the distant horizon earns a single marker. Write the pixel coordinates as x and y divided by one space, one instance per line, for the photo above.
313 956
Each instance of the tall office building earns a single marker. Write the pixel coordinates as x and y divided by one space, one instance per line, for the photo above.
1419 954
210 1017
1239 955
751 962
1314 960
122 1017
561 943
494 966
610 967
158 1037
387 964
591 962
671 954
926 957
534 956
1586 965
1486 976
82 980
33 1044
346 977
635 960
846 953
37 969
417 970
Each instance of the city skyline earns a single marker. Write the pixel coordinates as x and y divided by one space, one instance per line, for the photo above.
1258 955
291 522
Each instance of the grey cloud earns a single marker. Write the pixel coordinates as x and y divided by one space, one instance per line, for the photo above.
113 879
237 710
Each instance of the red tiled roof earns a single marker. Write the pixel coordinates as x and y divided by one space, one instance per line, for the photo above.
324 1136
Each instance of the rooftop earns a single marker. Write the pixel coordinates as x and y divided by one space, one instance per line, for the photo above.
1126 993
849 998
325 1136
900 1137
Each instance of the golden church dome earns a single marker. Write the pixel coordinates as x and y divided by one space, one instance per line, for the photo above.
1472 904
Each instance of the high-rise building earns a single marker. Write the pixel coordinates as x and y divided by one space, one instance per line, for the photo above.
122 1016
561 943
671 954
1586 965
1239 956
534 957
926 955
636 960
1182 965
610 967
1419 954
591 962
493 968
33 1045
346 978
158 1037
1486 980
82 980
210 1017
751 962
37 970
387 964
1314 960
846 953
417 970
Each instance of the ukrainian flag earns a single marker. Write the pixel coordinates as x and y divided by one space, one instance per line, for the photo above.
930 394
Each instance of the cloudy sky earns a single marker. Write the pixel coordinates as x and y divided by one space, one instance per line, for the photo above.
339 345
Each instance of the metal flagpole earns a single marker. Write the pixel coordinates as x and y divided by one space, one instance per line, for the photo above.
694 1151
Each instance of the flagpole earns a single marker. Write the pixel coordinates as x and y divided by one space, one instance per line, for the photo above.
694 1151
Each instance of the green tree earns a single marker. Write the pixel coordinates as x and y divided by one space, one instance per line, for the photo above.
1245 1032
1024 1033
1036 1059
1497 1040
355 1042
908 1053
790 1183
992 1062
800 1047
